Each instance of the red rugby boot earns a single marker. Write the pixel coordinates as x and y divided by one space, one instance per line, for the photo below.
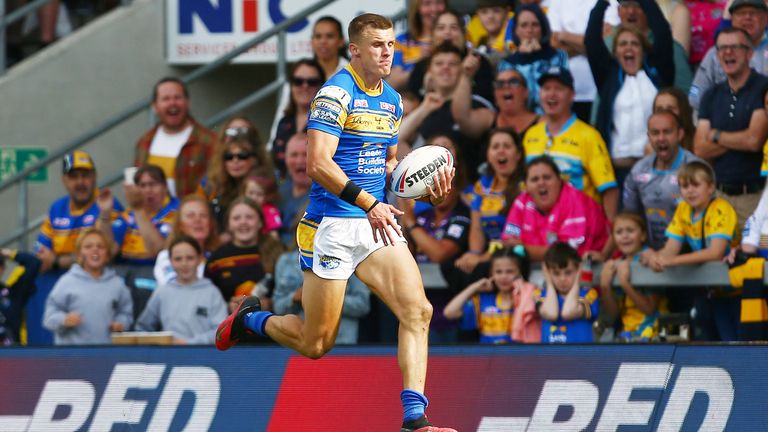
232 329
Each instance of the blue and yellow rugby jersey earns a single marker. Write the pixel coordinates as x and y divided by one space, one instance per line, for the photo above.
367 122
484 312
573 331
488 199
719 219
130 243
579 152
63 224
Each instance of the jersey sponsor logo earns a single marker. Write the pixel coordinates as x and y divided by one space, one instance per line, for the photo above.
335 93
360 103
424 174
326 105
387 106
324 116
512 230
89 219
455 231
369 122
329 262
61 222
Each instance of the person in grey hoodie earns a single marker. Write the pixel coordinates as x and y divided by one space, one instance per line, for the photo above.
189 307
89 301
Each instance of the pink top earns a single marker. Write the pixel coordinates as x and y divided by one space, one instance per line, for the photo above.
272 219
705 20
575 219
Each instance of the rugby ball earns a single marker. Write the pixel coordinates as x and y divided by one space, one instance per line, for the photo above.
415 172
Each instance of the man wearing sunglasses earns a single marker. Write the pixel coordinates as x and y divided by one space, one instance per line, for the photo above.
178 144
353 127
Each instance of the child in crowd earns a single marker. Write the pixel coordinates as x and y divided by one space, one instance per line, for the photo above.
263 191
708 225
567 310
15 291
189 307
487 305
90 300
639 311
244 266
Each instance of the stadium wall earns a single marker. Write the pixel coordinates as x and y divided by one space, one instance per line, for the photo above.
82 80
510 388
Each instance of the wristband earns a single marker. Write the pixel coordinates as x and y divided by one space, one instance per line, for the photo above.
375 203
350 192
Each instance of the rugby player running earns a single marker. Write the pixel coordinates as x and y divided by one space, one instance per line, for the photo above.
353 127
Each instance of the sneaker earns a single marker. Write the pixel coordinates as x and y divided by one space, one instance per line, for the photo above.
423 425
232 329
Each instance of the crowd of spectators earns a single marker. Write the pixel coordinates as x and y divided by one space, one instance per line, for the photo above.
623 132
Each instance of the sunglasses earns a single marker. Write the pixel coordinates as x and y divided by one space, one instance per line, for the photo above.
233 132
239 156
512 82
312 82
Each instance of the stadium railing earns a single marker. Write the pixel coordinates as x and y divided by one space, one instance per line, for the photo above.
681 277
25 226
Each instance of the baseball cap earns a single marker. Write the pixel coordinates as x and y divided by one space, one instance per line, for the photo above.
760 4
77 159
559 73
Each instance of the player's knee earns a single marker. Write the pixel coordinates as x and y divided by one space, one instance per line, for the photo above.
317 350
419 315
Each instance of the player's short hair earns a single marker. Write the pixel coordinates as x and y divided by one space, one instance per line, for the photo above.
367 20
696 171
560 255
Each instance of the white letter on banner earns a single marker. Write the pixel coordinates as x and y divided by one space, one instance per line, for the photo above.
113 407
204 383
79 395
618 409
580 394
713 381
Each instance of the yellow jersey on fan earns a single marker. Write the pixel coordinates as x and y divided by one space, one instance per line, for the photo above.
579 152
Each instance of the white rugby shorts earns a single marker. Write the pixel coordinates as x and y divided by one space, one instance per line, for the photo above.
334 247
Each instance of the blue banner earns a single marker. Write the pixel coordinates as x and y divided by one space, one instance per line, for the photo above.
499 388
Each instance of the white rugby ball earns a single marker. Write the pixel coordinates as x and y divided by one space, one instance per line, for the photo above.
414 173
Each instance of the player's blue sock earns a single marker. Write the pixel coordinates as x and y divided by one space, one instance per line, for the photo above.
414 404
257 321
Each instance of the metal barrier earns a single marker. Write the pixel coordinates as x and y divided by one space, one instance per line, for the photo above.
711 274
25 227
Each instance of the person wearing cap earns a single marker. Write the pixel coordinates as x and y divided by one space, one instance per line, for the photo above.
576 147
531 34
750 16
493 17
55 245
70 214
732 125
628 78
178 144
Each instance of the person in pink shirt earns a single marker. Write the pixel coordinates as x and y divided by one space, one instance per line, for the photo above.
263 191
705 20
551 210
